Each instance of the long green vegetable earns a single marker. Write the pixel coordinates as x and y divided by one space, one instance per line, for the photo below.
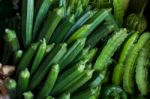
27 21
110 48
40 15
51 23
128 82
142 69
72 52
23 82
39 56
27 57
54 57
119 68
50 81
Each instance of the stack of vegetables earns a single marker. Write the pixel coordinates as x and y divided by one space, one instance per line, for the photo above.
78 49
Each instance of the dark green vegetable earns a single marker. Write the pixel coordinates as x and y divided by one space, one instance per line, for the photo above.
112 91
53 57
82 20
27 21
23 82
72 52
86 29
78 81
41 14
67 77
49 83
51 23
62 29
128 80
27 57
101 32
39 56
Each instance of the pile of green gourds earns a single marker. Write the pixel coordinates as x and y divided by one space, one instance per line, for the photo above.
78 49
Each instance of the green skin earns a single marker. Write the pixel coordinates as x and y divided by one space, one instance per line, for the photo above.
119 68
23 82
86 29
41 14
55 55
142 69
128 77
49 83
39 56
27 57
50 25
27 21
110 48
71 54
114 91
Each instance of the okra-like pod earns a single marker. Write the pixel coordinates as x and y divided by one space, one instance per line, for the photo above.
11 39
17 56
11 86
128 80
101 32
82 20
62 29
107 52
119 68
49 83
39 56
41 14
85 94
23 82
141 72
64 96
86 29
27 57
72 52
81 55
28 95
113 91
53 57
79 81
27 21
51 23
90 55
49 48
119 10
67 77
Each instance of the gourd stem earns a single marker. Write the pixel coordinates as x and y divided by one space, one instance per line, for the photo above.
143 8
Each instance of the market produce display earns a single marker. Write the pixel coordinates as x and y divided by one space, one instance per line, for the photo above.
74 49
